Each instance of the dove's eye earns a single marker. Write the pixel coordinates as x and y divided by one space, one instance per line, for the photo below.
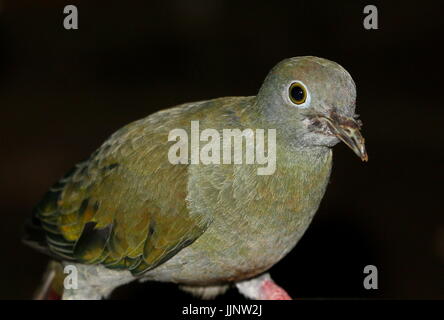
298 93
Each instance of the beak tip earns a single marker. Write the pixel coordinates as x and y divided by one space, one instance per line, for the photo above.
347 130
364 154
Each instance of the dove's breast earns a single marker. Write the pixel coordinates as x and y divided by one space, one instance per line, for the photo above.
256 220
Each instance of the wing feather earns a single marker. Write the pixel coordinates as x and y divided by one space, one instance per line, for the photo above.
125 207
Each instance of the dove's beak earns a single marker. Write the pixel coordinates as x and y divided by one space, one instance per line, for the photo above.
347 129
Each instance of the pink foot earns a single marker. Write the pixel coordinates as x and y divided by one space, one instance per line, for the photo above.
262 288
271 291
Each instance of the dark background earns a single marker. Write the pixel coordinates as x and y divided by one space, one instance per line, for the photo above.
62 93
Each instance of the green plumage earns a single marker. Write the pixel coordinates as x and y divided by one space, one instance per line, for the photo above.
127 207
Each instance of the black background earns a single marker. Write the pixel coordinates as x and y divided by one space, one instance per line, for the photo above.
62 93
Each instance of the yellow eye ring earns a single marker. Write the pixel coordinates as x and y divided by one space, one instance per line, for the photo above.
297 93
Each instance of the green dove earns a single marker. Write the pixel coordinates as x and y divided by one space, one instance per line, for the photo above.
129 213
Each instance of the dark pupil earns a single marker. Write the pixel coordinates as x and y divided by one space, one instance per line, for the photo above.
297 93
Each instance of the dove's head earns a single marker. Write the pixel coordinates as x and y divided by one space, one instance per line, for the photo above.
312 102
